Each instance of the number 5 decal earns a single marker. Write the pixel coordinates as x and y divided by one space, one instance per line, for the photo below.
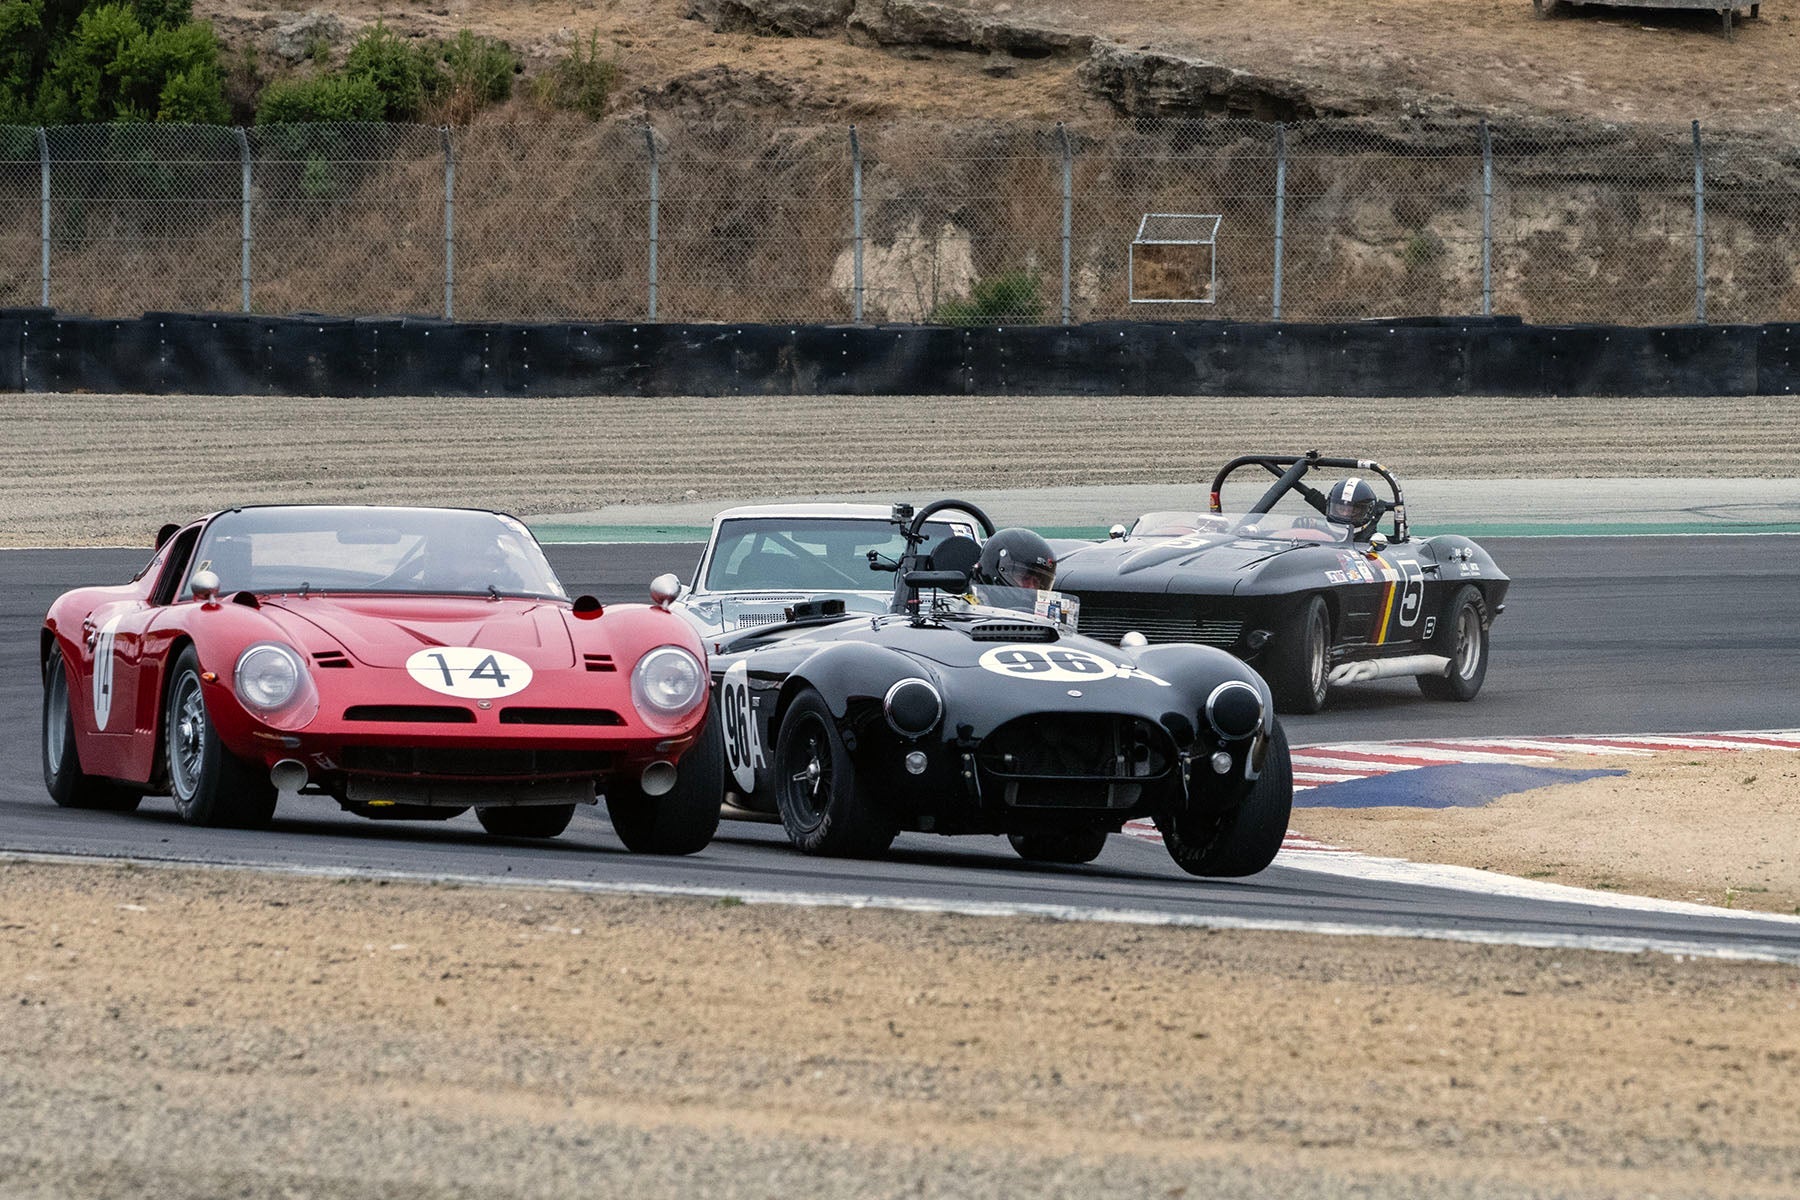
1412 594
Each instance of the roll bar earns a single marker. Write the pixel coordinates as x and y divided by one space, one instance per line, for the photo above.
1290 470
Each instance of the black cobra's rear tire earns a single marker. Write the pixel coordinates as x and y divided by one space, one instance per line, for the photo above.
1074 846
68 784
209 784
825 809
685 819
1462 637
526 820
1298 666
1246 839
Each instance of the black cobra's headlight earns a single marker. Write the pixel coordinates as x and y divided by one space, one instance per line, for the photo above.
667 683
1234 710
913 708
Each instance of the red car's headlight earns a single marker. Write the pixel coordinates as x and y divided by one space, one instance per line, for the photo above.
667 683
271 681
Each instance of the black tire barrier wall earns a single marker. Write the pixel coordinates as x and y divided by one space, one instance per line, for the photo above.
229 354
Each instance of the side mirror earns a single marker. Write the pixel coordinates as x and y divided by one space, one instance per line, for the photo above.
204 585
1116 532
664 590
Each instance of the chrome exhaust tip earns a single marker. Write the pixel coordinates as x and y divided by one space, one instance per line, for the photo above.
288 775
658 779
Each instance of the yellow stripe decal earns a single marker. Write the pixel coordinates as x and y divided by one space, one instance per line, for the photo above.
1387 602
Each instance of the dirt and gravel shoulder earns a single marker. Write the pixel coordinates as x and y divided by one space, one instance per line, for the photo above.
1712 828
108 470
228 1033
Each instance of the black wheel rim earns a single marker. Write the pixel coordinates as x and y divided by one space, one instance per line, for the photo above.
1316 654
187 738
808 774
56 719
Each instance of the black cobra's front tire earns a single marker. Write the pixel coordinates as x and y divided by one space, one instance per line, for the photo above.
209 784
526 820
1299 662
1074 846
684 820
1246 839
1463 639
825 809
69 785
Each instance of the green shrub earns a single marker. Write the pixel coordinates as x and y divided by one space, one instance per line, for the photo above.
323 98
68 61
1009 296
478 71
582 82
402 73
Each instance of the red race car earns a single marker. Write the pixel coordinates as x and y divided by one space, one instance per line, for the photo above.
410 662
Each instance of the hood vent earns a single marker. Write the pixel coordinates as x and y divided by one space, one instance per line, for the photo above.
1011 631
331 659
599 662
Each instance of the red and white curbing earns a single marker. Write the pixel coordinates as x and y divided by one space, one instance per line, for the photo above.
1340 762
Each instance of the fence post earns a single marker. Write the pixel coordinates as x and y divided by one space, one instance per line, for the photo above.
655 203
1487 221
44 217
1068 199
243 141
1280 209
1699 230
856 224
449 225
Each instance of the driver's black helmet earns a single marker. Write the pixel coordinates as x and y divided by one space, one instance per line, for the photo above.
1353 502
1017 558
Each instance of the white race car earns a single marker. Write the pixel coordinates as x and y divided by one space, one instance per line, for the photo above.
762 560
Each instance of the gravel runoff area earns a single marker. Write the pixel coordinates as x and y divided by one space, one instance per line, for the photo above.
174 1032
1719 828
107 470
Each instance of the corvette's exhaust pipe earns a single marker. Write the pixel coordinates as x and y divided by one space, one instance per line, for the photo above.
1388 668
288 775
658 779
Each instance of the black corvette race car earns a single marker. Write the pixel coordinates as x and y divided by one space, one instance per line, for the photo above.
964 712
1302 585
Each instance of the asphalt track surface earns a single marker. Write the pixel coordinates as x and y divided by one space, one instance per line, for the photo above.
1601 635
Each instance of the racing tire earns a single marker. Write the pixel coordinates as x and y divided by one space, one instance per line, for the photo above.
1462 637
825 809
1075 846
1299 663
1246 839
526 820
209 784
683 820
69 785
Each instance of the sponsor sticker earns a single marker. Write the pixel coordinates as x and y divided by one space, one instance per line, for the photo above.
469 672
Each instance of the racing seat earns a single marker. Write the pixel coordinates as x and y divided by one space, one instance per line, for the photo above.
955 553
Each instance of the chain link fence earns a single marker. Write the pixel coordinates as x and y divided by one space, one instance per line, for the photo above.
904 222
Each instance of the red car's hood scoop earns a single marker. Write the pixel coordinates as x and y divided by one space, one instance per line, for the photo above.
384 631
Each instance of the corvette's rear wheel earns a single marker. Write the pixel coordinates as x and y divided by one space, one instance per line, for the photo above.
1462 637
1075 846
1298 666
823 806
1245 839
683 820
68 784
527 821
209 784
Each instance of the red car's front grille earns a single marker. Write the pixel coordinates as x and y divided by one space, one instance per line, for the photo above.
422 714
560 716
463 762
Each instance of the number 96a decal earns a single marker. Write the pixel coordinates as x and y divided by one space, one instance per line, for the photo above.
469 672
1059 664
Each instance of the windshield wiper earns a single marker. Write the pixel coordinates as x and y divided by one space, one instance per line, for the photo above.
493 592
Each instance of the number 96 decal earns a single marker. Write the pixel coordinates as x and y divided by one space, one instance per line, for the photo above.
469 671
1059 665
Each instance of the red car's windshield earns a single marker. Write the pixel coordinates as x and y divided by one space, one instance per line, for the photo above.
330 548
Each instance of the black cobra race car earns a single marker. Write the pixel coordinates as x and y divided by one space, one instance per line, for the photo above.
956 714
1302 585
